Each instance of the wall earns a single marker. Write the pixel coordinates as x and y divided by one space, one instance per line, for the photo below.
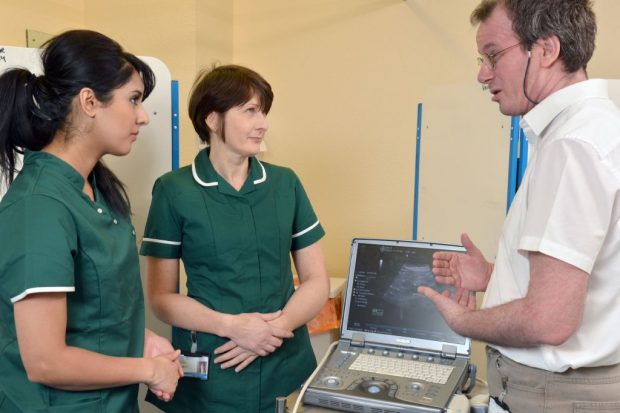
347 77
606 60
185 34
44 16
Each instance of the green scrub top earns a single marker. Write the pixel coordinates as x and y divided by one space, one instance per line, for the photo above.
235 246
55 239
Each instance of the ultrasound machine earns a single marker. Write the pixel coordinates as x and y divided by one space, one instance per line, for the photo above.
395 353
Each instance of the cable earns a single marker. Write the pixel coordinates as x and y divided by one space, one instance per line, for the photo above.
527 67
311 378
472 379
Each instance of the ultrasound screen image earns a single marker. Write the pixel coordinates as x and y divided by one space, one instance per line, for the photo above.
384 297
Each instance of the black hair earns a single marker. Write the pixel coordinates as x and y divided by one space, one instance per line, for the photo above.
222 88
34 108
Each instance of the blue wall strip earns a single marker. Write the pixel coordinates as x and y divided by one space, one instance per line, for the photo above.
175 124
174 98
418 140
512 160
523 147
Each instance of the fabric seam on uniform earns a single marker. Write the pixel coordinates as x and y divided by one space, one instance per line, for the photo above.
41 290
310 228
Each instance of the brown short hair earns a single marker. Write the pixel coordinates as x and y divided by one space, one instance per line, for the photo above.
221 88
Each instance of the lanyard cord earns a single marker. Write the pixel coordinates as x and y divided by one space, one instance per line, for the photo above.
527 67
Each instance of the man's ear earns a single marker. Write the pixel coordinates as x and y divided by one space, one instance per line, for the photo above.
88 102
550 46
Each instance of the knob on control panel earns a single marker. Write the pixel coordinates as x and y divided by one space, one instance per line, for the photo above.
374 386
332 381
415 386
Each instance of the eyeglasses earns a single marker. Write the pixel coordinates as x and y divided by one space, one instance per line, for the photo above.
490 60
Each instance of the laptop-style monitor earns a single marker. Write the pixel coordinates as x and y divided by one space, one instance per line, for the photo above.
396 353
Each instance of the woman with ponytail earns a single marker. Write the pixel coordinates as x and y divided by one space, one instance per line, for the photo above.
72 336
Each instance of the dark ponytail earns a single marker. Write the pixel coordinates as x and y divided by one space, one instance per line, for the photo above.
112 189
33 109
19 128
13 96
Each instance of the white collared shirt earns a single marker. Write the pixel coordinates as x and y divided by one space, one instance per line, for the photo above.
568 207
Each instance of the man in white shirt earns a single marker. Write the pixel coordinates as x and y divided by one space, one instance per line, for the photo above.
551 312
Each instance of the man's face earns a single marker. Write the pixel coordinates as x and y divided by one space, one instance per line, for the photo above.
505 79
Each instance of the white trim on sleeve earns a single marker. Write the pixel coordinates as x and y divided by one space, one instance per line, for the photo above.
161 241
41 290
302 232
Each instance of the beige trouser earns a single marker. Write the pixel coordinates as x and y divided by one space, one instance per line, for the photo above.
531 390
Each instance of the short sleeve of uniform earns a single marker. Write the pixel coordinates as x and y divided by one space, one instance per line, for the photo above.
570 203
306 226
162 235
38 241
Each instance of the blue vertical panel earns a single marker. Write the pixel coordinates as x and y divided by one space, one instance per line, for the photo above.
418 139
174 99
523 148
512 160
175 124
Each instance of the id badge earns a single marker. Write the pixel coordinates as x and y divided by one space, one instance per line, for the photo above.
195 365
496 408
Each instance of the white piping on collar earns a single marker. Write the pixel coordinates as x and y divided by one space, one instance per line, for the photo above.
200 181
264 178
203 183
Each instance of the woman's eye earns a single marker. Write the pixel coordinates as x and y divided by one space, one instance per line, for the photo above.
136 100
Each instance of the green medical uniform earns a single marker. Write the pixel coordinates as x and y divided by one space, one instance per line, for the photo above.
55 239
235 246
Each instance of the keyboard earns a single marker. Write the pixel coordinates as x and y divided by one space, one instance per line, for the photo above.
416 370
